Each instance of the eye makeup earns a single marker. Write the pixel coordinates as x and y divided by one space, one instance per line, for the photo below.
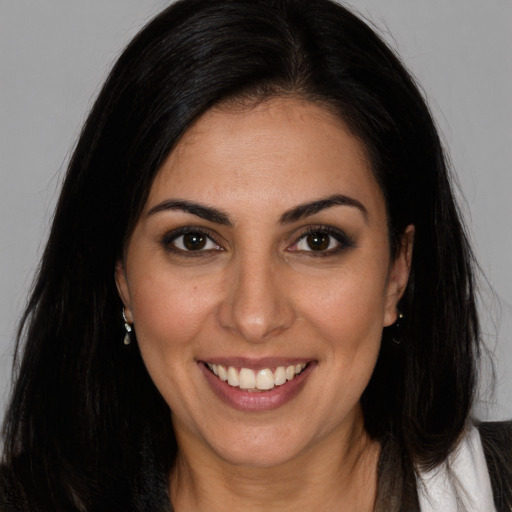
315 241
322 240
191 241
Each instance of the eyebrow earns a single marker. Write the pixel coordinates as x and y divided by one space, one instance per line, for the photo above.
307 209
200 210
294 214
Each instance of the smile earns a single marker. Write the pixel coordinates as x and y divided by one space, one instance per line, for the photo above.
256 380
257 385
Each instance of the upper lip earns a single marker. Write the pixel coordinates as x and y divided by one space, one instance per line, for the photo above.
256 363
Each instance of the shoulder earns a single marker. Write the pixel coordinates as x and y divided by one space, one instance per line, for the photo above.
496 439
22 490
17 486
10 500
496 432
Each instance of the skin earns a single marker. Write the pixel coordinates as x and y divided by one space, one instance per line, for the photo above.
259 290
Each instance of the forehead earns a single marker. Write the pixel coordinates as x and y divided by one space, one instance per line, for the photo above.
280 152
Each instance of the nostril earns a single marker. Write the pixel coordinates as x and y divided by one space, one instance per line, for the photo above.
256 306
256 323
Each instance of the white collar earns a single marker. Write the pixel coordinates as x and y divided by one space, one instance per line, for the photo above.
460 483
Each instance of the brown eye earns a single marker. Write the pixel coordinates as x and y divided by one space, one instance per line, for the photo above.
318 241
322 241
194 241
187 240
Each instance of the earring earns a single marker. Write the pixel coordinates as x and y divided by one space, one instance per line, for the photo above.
127 338
396 329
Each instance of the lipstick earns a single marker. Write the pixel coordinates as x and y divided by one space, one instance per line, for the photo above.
235 380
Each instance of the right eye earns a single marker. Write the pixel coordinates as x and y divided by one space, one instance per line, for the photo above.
190 241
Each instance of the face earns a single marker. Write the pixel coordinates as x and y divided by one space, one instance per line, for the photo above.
259 280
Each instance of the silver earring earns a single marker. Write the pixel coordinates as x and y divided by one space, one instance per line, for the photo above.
396 329
127 338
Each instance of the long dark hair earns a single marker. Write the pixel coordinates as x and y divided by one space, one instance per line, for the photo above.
86 429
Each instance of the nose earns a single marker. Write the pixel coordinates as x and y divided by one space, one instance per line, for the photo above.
257 305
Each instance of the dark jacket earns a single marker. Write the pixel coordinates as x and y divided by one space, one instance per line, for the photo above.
496 441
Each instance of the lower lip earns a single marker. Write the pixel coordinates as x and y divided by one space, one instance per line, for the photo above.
257 401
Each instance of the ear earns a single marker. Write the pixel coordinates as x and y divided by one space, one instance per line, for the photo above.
122 289
399 275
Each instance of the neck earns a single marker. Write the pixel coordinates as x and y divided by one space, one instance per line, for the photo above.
331 475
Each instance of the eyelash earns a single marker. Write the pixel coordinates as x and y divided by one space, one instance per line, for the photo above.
344 241
169 239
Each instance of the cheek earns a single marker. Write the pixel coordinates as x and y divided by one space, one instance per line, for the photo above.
349 319
350 305
170 310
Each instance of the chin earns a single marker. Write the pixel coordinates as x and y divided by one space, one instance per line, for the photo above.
260 447
256 457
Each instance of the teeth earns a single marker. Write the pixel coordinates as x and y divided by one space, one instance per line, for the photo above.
223 374
232 377
279 376
247 379
264 379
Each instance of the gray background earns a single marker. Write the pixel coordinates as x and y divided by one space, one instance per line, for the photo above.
54 54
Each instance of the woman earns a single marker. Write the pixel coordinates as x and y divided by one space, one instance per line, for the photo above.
257 291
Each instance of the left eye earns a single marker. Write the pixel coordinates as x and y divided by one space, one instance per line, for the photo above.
194 241
319 241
